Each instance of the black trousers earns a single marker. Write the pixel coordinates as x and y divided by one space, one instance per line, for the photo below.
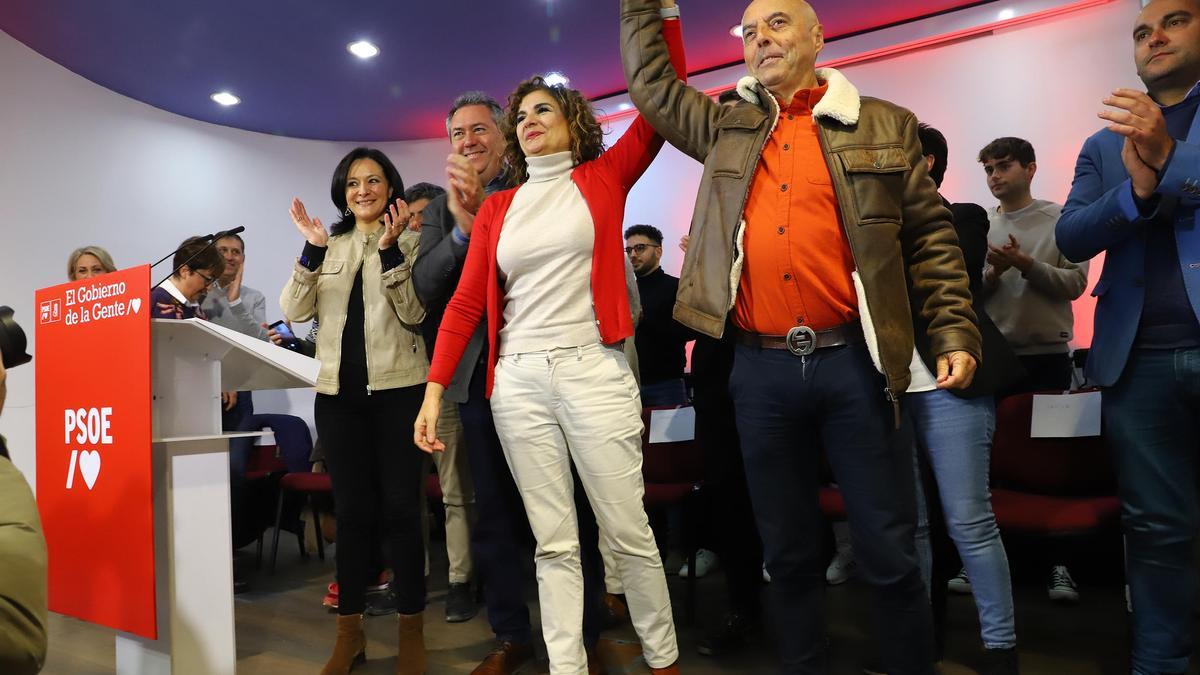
1043 372
733 535
786 408
375 465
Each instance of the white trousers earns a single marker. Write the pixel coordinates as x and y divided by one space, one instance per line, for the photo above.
581 405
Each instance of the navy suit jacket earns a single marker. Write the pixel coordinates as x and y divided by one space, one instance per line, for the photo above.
1101 215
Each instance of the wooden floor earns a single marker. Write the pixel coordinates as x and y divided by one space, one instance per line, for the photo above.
282 628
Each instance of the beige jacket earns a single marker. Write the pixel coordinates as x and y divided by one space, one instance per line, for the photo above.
393 314
22 577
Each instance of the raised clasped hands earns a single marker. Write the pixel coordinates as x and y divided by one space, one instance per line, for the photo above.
311 228
465 191
1009 255
1147 144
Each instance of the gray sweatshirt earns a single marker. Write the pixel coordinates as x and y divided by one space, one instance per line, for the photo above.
1033 310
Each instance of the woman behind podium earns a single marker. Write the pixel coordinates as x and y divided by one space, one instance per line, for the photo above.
197 267
373 369
87 262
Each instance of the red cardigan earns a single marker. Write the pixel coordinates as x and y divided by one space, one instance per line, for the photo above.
605 183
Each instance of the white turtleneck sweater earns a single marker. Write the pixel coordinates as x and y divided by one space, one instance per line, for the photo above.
545 261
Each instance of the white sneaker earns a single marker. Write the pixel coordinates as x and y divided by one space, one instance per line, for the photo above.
706 561
842 568
766 575
1061 587
960 583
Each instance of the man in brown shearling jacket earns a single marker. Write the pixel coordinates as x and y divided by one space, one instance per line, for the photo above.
813 205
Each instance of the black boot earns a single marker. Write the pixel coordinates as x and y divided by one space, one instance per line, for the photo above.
1000 662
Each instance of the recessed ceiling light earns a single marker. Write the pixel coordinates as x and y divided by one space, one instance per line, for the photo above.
557 79
625 106
1006 14
363 49
225 98
736 31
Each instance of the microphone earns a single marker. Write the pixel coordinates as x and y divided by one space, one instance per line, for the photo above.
210 238
225 233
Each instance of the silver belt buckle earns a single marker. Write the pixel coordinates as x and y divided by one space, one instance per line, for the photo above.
801 340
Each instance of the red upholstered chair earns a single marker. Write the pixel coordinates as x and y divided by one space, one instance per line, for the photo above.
673 473
264 468
1049 487
309 485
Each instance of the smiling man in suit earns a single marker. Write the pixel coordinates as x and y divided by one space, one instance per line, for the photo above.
1135 198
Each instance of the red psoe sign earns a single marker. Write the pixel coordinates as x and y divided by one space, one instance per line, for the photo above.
94 472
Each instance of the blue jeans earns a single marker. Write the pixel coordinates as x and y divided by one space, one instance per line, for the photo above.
787 408
1152 421
667 392
955 435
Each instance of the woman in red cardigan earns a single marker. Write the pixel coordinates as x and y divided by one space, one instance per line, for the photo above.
547 264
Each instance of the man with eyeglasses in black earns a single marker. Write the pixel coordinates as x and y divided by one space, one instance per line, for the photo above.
660 339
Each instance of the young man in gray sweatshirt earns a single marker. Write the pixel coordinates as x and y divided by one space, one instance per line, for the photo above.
1028 288
1028 283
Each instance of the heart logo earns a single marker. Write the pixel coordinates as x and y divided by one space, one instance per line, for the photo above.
135 305
89 466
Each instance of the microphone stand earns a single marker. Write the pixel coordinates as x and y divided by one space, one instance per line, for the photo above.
212 239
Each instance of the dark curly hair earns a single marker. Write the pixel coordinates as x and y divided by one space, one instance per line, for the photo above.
587 138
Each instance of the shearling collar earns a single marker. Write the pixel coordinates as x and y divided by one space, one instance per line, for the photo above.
841 101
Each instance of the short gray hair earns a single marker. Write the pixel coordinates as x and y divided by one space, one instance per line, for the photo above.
475 97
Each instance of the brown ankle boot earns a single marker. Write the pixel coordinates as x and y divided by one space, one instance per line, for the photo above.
672 669
351 647
411 659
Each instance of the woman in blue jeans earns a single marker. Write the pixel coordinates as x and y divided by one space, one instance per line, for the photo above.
953 432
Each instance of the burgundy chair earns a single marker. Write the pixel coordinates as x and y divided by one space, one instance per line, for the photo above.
309 486
264 468
673 473
1049 487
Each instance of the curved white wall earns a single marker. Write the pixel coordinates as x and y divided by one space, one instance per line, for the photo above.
80 164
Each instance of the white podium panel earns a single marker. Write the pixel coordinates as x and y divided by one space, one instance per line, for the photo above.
193 361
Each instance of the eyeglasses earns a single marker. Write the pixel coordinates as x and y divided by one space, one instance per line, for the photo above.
639 248
208 281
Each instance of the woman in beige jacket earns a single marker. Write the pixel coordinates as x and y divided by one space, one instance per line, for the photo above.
373 369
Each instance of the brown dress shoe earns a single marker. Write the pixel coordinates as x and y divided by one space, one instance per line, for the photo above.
672 669
411 658
505 659
350 649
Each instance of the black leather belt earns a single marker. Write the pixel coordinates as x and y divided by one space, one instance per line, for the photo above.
802 340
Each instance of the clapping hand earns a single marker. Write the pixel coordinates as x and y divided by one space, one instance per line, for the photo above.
466 193
311 228
1010 255
233 290
1148 144
395 219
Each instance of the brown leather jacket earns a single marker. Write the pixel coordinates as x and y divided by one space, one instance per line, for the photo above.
890 208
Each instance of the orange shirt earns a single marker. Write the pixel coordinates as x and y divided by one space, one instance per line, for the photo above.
798 262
